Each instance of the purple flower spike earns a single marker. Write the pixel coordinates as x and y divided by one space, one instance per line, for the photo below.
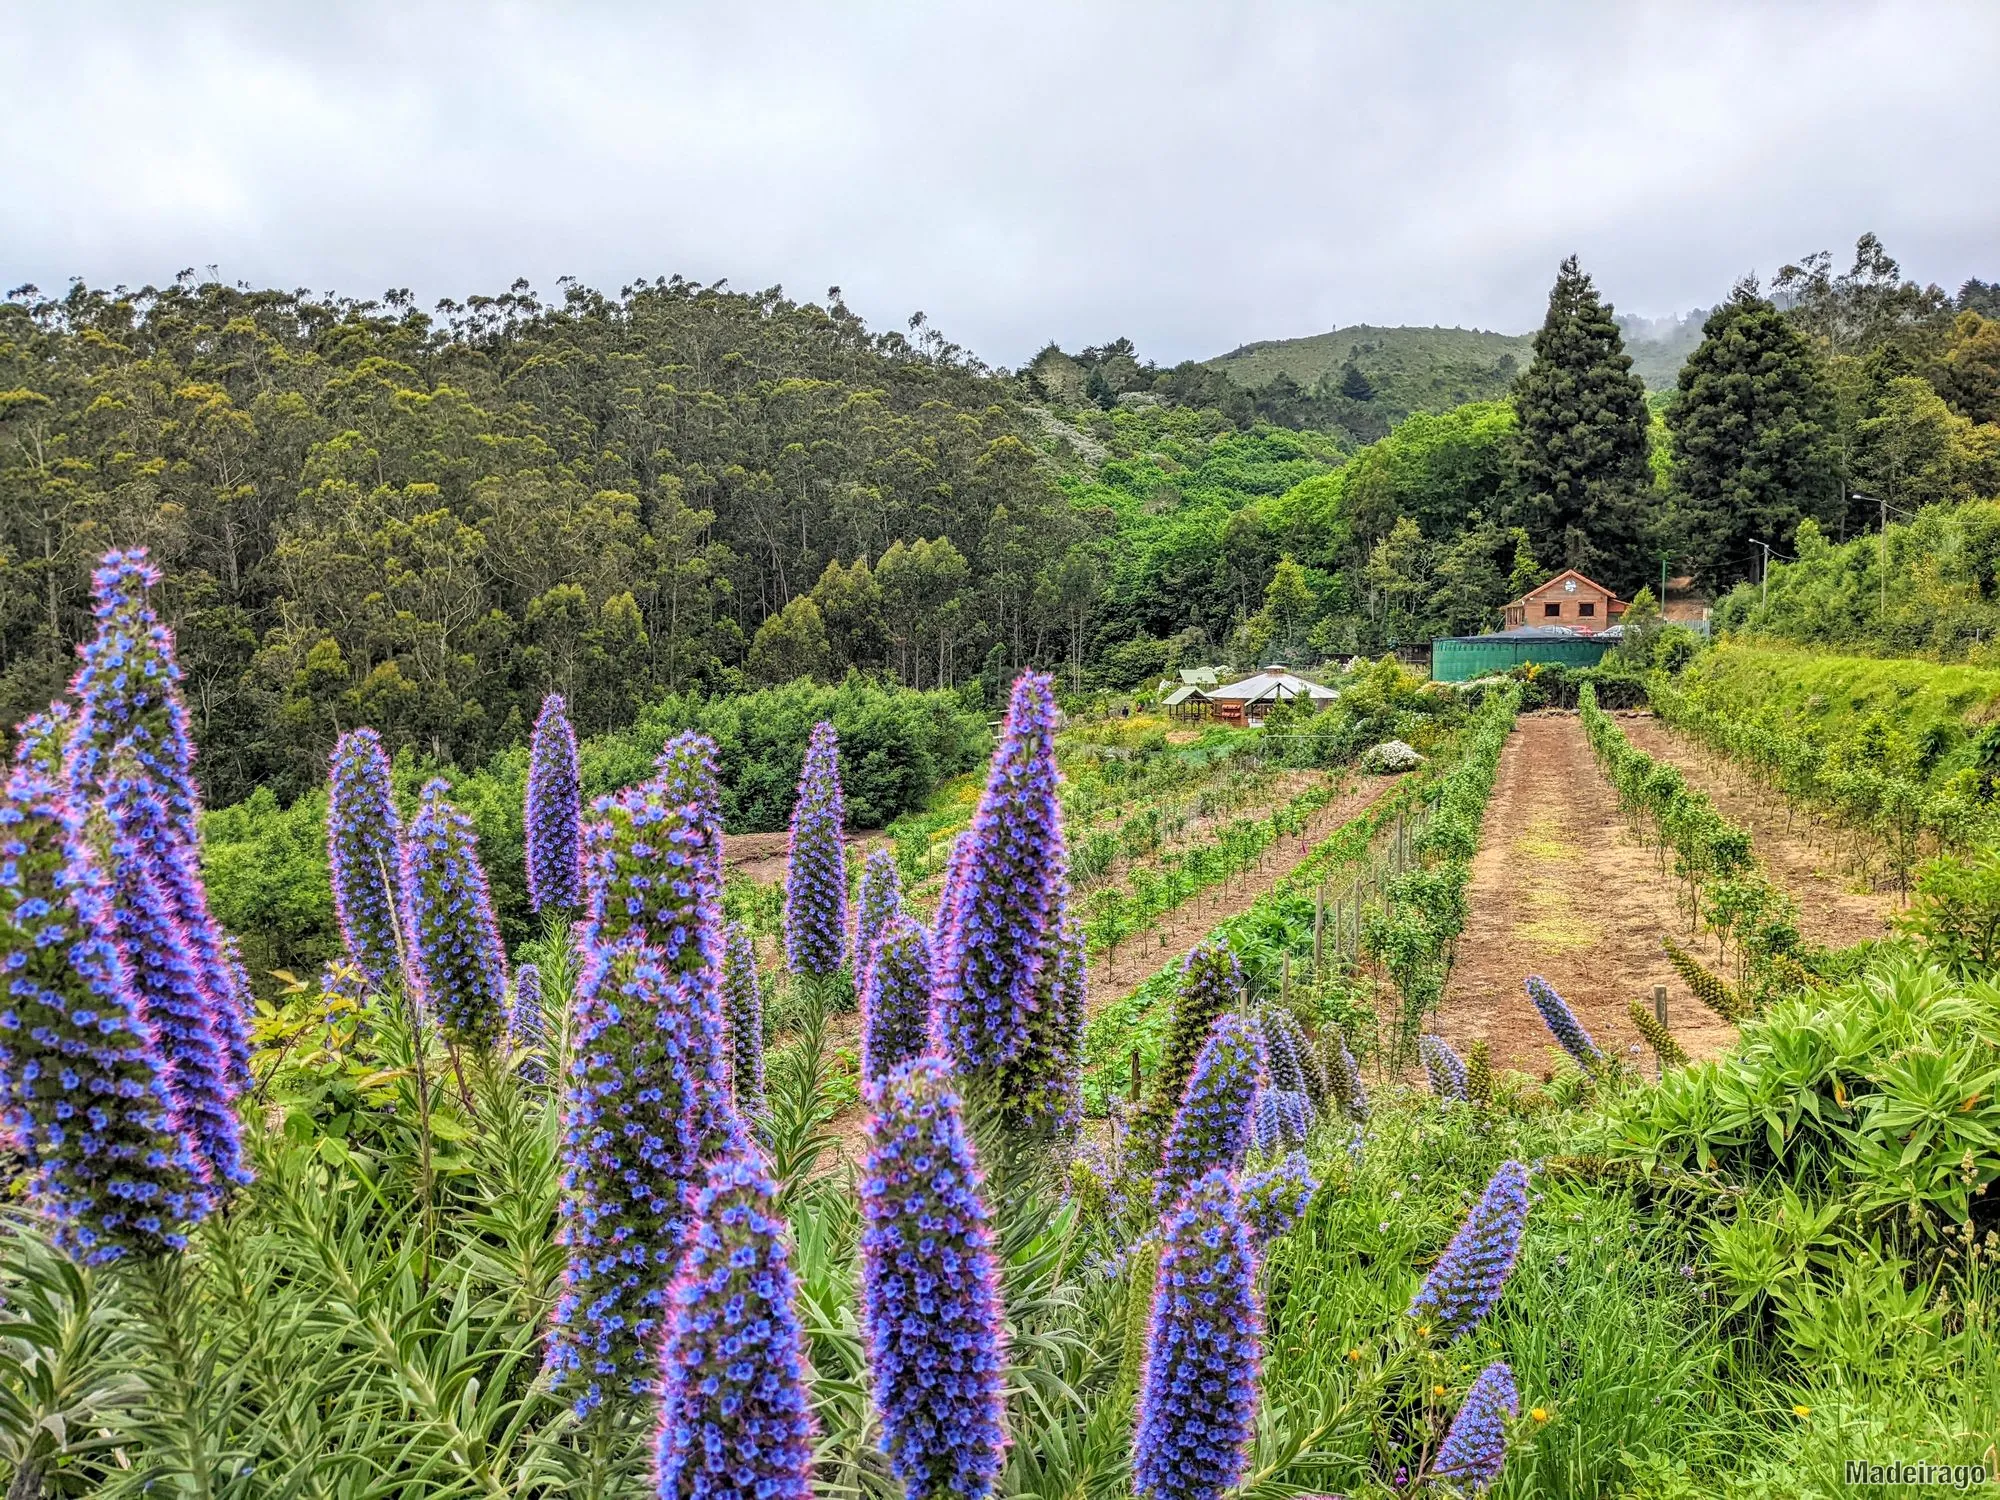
1275 1201
1476 1446
1444 1067
41 741
1564 1024
160 967
1282 1118
1214 1126
1465 1284
1041 1089
1198 1392
743 1009
1211 984
646 881
654 861
554 812
816 872
954 875
686 775
1346 1081
526 1020
364 854
881 899
896 1005
132 723
735 1414
457 967
930 1290
630 1162
1003 924
83 1090
1281 1034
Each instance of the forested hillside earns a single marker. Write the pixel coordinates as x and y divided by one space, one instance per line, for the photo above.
367 513
424 522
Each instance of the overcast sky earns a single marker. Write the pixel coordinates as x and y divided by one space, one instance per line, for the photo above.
1192 176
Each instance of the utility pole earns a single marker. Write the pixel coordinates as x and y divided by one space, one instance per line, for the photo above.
1881 550
1764 584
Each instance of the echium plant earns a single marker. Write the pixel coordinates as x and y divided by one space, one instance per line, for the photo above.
1204 1351
364 853
816 871
1211 984
554 812
1003 927
686 776
930 1290
159 962
1465 1284
896 1001
881 897
1475 1448
41 741
129 707
1041 1087
1344 1078
631 1154
743 1014
83 1091
1284 1047
457 967
1214 1127
526 1020
1563 1024
1275 1201
1282 1117
735 1411
1443 1067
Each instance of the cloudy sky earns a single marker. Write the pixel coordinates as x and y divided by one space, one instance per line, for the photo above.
1194 176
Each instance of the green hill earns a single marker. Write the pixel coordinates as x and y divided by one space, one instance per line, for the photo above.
1433 369
1411 368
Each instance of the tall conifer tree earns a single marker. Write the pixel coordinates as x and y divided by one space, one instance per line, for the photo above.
1579 464
1753 437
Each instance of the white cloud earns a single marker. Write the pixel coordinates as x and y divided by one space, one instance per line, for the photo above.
1194 176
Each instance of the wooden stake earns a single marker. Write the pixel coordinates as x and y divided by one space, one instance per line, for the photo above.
1135 1075
1660 1003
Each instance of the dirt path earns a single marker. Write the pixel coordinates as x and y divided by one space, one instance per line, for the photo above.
1561 888
1832 910
1146 953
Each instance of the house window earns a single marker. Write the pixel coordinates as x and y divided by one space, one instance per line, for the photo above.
1586 609
1552 610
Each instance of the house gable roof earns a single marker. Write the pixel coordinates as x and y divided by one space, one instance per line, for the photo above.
1271 685
1550 583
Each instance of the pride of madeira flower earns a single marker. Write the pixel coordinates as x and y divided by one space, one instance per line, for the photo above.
1204 1351
816 871
363 853
83 1090
1464 1286
1475 1447
1003 927
735 1411
457 966
930 1291
554 811
1215 1125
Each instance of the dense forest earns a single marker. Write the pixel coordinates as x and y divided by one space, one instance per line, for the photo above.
368 513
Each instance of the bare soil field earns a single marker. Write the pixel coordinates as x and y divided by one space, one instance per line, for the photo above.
1562 888
1834 907
1145 953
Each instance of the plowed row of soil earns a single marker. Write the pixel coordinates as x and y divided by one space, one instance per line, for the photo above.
1834 908
1145 953
1562 888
